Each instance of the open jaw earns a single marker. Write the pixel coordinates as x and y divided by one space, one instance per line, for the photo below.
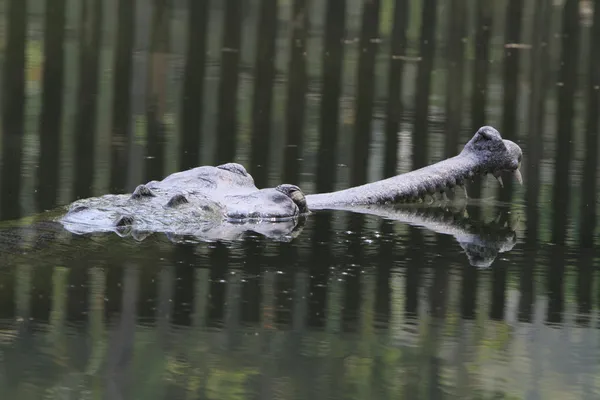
486 153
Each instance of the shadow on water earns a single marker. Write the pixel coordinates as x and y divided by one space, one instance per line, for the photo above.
374 302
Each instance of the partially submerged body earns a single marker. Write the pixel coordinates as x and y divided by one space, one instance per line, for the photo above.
193 202
207 200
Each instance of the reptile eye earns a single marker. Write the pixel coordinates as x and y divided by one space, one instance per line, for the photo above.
294 193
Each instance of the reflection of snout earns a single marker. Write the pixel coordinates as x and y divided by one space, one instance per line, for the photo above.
479 256
483 250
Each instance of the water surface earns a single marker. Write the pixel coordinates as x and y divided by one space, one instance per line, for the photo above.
498 299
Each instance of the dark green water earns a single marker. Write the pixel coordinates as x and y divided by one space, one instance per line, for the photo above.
497 299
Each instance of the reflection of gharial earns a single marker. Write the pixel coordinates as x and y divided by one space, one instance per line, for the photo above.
192 201
481 241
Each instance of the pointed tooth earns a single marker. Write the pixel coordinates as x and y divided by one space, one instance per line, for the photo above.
518 176
499 178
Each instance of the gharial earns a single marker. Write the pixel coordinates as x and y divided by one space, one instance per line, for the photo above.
202 198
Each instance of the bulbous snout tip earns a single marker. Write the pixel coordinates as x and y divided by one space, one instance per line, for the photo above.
488 132
516 156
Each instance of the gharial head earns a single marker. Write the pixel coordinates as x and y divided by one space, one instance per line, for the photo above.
494 154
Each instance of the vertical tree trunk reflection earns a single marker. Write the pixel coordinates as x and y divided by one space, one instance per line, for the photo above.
297 89
566 87
192 104
13 108
90 41
121 105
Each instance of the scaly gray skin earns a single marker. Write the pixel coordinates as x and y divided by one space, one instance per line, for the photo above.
485 153
210 202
